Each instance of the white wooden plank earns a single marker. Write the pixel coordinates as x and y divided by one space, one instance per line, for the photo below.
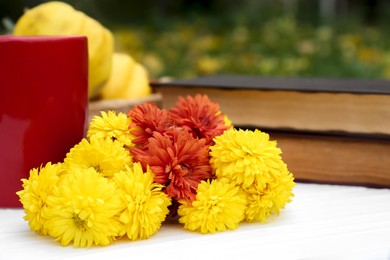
322 222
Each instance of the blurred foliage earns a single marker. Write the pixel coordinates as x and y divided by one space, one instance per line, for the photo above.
279 46
186 38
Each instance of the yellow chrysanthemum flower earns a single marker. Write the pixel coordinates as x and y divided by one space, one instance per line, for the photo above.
82 209
244 156
112 126
106 156
268 200
144 204
34 195
219 205
227 121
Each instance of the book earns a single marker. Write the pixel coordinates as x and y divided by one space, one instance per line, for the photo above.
330 130
335 159
312 104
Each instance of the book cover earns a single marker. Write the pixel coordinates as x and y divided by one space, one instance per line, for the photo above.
341 105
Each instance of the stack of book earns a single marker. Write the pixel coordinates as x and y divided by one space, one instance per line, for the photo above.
330 130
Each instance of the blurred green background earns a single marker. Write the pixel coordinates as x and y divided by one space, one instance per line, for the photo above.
188 38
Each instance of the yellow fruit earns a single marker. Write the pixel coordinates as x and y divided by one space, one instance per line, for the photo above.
100 61
59 18
138 86
122 65
51 18
128 79
100 50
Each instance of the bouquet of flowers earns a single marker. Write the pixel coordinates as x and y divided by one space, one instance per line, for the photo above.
135 170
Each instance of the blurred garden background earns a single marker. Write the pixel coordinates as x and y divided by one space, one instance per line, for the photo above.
188 38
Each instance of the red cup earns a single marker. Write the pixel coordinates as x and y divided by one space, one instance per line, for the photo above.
43 105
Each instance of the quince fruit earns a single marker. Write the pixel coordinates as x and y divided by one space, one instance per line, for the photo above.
59 18
128 79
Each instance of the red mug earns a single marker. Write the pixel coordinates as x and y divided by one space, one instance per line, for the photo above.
43 104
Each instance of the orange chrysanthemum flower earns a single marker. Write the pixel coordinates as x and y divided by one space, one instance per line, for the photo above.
200 116
147 119
180 162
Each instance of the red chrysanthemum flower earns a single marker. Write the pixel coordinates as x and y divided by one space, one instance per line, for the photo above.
200 116
147 119
179 161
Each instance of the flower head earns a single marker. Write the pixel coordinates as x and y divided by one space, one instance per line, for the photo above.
219 205
227 122
144 204
244 156
113 126
179 161
82 209
201 117
268 200
147 119
36 190
104 155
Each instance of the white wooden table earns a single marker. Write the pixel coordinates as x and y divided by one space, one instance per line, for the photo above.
322 222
